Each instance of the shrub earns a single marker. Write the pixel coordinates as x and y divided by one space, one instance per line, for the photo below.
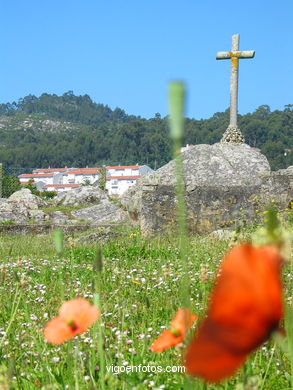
10 184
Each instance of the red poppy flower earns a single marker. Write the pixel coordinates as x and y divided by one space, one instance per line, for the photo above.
75 317
179 326
245 307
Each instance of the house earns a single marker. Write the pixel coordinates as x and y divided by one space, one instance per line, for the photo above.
46 178
116 185
118 178
128 170
50 170
81 176
123 170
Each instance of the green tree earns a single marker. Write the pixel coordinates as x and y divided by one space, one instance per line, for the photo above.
102 179
10 184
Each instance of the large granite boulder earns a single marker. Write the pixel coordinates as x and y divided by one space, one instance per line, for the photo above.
217 165
106 212
224 183
25 197
60 218
22 207
101 210
13 212
81 196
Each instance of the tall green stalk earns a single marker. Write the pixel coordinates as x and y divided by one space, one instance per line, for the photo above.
97 288
176 109
15 304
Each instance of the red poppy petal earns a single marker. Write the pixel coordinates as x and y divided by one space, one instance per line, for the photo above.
246 303
81 312
210 360
183 321
165 341
57 331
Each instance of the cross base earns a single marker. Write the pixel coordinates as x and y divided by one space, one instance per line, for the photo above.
233 135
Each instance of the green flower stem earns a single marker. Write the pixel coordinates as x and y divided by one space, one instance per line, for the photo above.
176 108
97 288
15 305
97 303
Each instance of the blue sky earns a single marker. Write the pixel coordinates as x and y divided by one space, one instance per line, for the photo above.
124 53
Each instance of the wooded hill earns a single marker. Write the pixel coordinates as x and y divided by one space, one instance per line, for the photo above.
71 130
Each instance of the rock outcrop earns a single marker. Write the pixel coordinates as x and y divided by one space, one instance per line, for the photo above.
81 196
106 212
26 198
224 183
23 207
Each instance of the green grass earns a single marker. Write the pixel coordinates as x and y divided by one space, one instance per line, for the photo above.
51 208
139 295
9 222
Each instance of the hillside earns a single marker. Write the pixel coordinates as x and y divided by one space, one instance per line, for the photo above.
71 130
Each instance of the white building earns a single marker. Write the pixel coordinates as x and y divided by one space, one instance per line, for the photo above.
116 185
81 175
118 178
50 170
46 178
187 147
123 170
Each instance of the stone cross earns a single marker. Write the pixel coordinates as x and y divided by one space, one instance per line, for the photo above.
233 134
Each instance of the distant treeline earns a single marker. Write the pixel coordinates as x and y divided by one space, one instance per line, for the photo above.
92 134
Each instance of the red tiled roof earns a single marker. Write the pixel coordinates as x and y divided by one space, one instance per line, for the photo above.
122 177
24 182
51 170
36 175
84 171
124 166
61 185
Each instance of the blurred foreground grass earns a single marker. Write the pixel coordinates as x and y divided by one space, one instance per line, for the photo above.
139 295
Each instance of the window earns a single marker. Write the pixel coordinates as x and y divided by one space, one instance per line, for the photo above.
120 172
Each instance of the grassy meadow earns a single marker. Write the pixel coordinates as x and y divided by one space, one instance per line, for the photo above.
139 294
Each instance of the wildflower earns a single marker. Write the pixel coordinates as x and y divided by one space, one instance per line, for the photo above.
75 316
245 308
179 326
